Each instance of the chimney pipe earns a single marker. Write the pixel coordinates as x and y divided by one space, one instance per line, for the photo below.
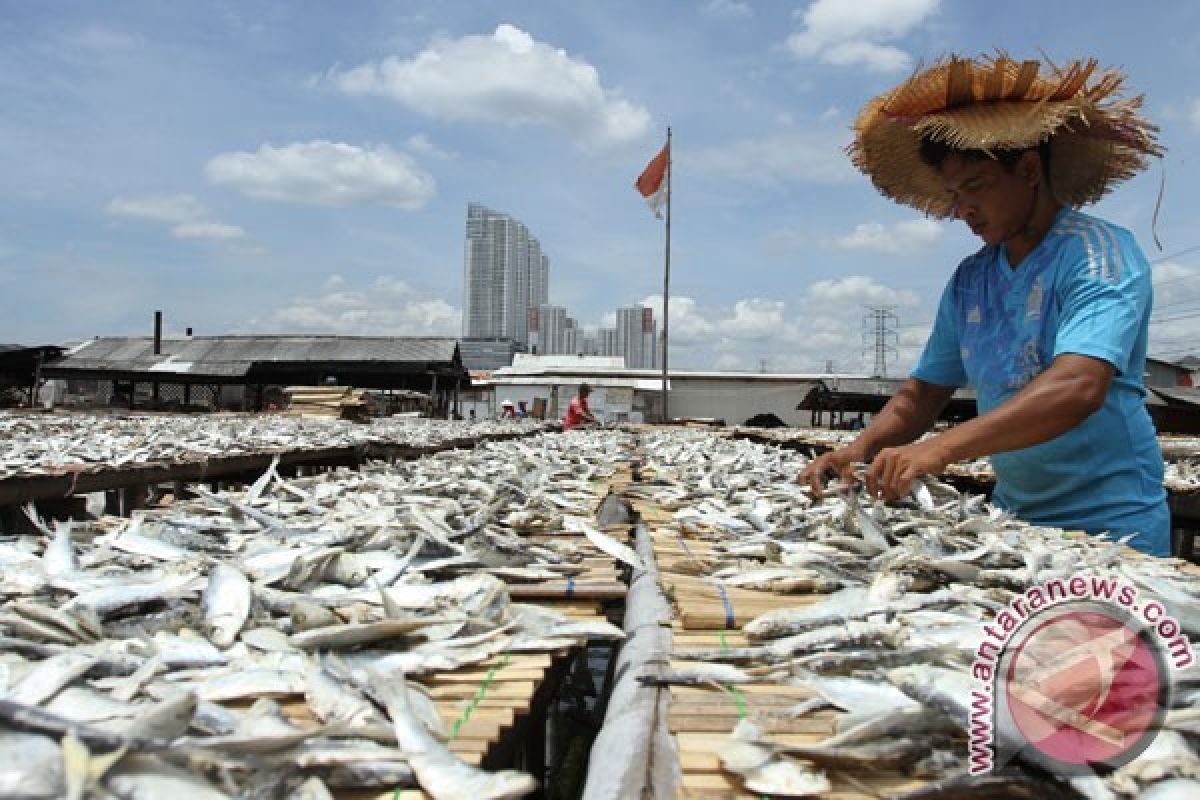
157 333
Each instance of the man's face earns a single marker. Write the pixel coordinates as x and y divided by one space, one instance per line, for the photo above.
994 202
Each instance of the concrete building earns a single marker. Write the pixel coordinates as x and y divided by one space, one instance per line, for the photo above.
634 395
548 330
1166 374
488 354
505 273
245 371
637 334
606 342
570 340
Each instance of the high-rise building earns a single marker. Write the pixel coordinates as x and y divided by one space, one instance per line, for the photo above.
505 274
548 330
636 337
606 341
570 340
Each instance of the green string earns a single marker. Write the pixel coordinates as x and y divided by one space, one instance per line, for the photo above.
738 697
478 698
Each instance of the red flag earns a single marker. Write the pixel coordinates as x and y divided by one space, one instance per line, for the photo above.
652 184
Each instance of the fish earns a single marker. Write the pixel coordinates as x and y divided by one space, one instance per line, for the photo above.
142 777
345 635
52 675
336 704
226 602
607 544
31 766
439 772
763 770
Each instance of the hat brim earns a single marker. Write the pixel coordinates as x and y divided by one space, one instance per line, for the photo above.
1093 144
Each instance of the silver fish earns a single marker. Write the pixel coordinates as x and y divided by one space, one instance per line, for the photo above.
226 603
441 773
31 766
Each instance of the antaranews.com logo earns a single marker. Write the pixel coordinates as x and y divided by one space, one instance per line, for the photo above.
1075 675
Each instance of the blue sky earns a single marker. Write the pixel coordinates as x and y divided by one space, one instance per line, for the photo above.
304 166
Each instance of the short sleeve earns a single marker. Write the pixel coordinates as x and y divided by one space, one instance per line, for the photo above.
1103 292
941 362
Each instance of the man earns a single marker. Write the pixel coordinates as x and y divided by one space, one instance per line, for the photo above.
578 412
1048 322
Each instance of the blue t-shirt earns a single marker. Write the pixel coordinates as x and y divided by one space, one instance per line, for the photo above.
1084 289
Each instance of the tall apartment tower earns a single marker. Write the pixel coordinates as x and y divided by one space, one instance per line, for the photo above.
548 330
636 337
606 342
505 274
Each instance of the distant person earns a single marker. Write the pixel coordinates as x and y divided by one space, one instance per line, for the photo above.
1048 321
522 411
472 414
578 413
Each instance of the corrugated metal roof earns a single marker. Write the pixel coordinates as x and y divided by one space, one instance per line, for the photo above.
234 356
524 362
1178 396
640 384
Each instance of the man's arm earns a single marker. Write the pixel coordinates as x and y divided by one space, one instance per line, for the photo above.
1054 402
910 413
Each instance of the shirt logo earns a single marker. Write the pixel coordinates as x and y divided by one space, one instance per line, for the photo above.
1033 304
974 316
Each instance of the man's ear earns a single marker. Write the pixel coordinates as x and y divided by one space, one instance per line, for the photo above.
1030 166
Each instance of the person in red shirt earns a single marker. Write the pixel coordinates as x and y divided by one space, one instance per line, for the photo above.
578 412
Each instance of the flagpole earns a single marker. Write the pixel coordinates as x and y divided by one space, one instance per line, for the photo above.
667 288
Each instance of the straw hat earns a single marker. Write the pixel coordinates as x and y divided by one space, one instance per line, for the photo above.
1096 140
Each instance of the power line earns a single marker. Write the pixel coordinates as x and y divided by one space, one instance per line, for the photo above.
1174 317
1183 252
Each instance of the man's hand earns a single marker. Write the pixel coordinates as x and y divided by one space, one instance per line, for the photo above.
894 469
836 462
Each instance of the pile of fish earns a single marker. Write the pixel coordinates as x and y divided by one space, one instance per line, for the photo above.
1182 474
906 591
46 443
268 642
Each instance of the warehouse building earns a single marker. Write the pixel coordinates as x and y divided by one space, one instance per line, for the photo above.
248 372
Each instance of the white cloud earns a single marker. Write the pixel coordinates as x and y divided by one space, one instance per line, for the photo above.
387 307
755 319
795 155
825 325
207 230
419 143
186 215
325 173
1175 320
176 208
911 236
853 292
507 78
852 33
727 9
